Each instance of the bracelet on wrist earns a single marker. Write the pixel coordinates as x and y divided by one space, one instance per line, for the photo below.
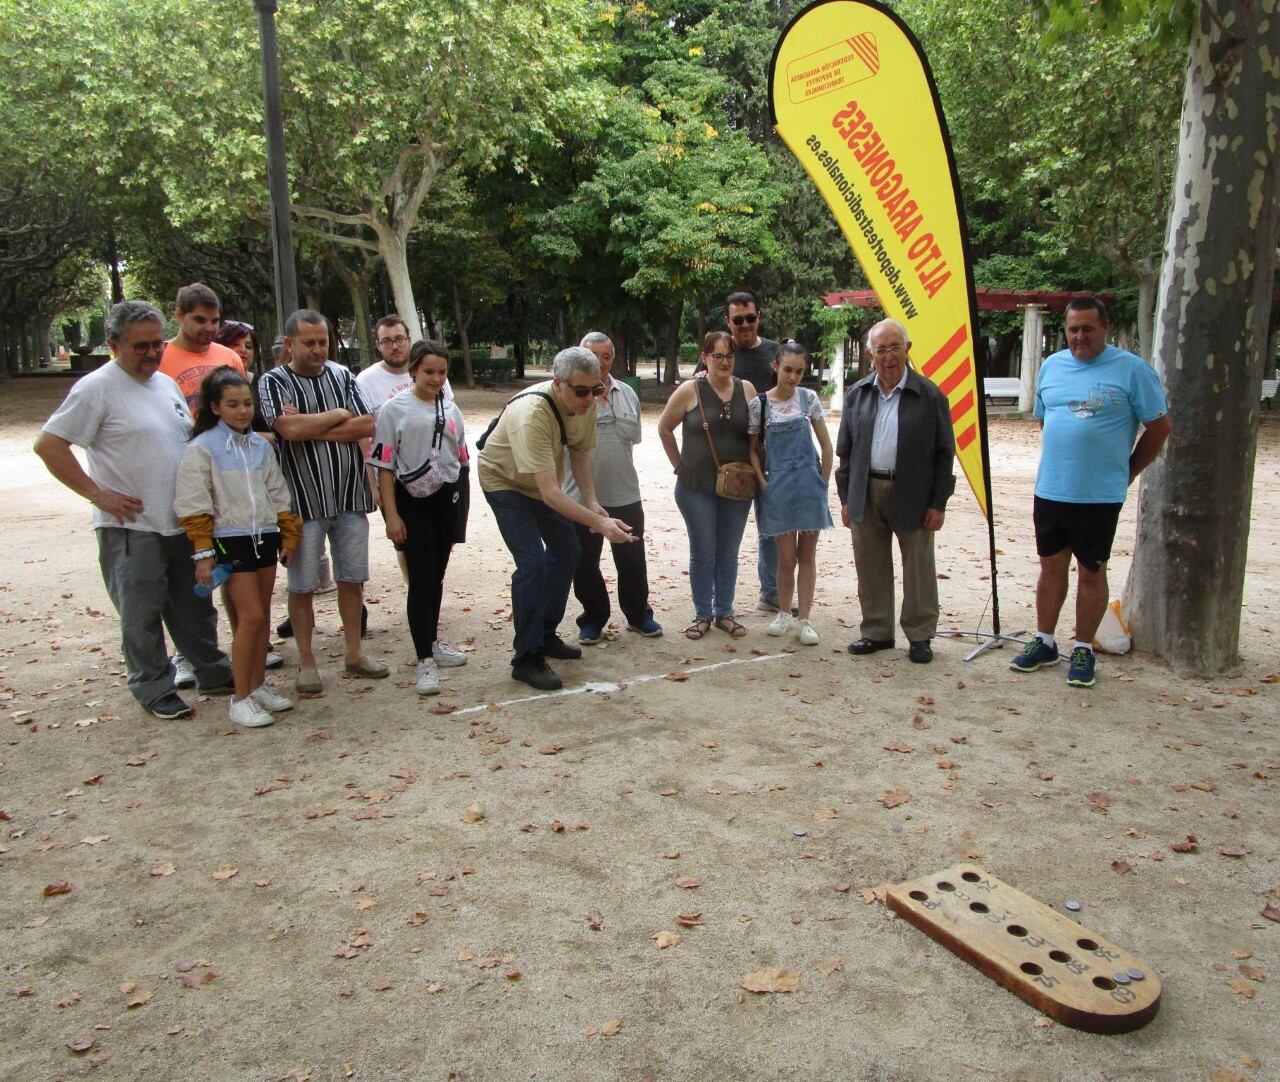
203 554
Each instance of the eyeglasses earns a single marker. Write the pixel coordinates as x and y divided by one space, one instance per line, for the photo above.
583 392
722 356
886 351
147 347
738 321
398 340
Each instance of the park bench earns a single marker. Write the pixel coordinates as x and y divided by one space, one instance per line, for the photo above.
994 387
1269 387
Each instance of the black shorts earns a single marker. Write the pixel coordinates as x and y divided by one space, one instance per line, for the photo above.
1087 529
239 553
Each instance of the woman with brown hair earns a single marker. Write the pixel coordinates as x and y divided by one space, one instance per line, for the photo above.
712 414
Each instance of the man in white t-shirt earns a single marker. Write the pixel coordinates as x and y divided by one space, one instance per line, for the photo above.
133 422
390 375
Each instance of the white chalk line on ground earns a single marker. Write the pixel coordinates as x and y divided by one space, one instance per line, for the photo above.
610 688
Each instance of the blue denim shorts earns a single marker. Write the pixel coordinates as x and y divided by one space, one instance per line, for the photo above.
348 535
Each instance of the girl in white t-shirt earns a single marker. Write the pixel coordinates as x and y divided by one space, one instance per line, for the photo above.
793 501
420 452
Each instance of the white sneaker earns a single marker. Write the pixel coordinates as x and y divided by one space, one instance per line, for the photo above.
780 624
274 660
805 634
185 677
446 656
248 713
271 700
428 677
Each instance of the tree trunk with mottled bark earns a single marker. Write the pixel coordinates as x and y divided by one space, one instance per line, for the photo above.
1185 590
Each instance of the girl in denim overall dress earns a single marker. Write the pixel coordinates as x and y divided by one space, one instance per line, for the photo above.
793 504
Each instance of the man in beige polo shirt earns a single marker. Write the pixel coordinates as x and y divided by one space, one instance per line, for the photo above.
521 466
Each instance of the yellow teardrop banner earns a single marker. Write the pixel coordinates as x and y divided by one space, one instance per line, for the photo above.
854 100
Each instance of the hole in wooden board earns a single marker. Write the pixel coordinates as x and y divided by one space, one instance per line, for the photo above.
919 896
1016 929
1060 956
1086 944
970 877
979 907
944 885
1105 983
1031 968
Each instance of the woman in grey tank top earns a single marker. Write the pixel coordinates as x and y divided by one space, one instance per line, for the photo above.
715 524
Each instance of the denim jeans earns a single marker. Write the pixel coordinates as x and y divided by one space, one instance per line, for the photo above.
545 546
715 527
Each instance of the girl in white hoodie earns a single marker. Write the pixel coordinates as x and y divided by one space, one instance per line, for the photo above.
233 503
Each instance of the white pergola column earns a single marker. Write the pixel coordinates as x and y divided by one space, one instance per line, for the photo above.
837 395
1032 355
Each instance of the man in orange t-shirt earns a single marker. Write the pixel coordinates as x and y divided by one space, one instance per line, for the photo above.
193 354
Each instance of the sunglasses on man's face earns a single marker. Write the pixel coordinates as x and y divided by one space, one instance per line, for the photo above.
583 392
738 321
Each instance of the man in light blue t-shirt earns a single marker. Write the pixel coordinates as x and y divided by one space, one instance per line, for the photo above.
1091 400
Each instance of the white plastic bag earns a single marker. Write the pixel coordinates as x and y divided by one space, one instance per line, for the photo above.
1112 636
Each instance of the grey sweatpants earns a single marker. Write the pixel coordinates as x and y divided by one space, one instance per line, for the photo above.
151 580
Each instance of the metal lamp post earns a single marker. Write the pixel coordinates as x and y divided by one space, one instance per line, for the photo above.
277 171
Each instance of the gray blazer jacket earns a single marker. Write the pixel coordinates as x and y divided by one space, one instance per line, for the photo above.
926 450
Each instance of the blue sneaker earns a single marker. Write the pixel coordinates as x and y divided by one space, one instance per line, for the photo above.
1080 675
648 627
590 635
1036 654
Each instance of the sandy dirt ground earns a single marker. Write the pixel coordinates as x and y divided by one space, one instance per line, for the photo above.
311 901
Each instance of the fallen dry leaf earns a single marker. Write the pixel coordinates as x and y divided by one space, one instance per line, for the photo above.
57 888
1204 786
688 882
1241 987
842 887
899 746
1187 845
611 1028
474 813
677 677
1100 801
1121 867
163 867
1252 972
1224 1074
825 813
379 985
772 980
1271 911
828 966
225 871
81 1045
663 940
139 999
1234 850
893 797
689 920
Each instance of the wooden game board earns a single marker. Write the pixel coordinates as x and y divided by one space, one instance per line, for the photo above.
1073 975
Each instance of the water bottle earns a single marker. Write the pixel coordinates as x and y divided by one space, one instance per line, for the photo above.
220 574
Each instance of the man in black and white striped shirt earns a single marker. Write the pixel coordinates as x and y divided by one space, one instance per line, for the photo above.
315 408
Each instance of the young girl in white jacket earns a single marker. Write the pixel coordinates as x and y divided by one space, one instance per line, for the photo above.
233 503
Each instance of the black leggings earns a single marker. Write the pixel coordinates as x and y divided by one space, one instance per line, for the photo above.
429 523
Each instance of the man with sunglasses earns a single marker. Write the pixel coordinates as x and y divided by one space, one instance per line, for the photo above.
753 361
133 422
521 467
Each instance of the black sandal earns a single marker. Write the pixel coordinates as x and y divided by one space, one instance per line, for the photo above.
731 627
697 629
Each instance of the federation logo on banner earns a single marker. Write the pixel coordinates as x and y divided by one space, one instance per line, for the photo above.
853 99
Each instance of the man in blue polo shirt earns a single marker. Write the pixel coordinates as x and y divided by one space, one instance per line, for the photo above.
1091 401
